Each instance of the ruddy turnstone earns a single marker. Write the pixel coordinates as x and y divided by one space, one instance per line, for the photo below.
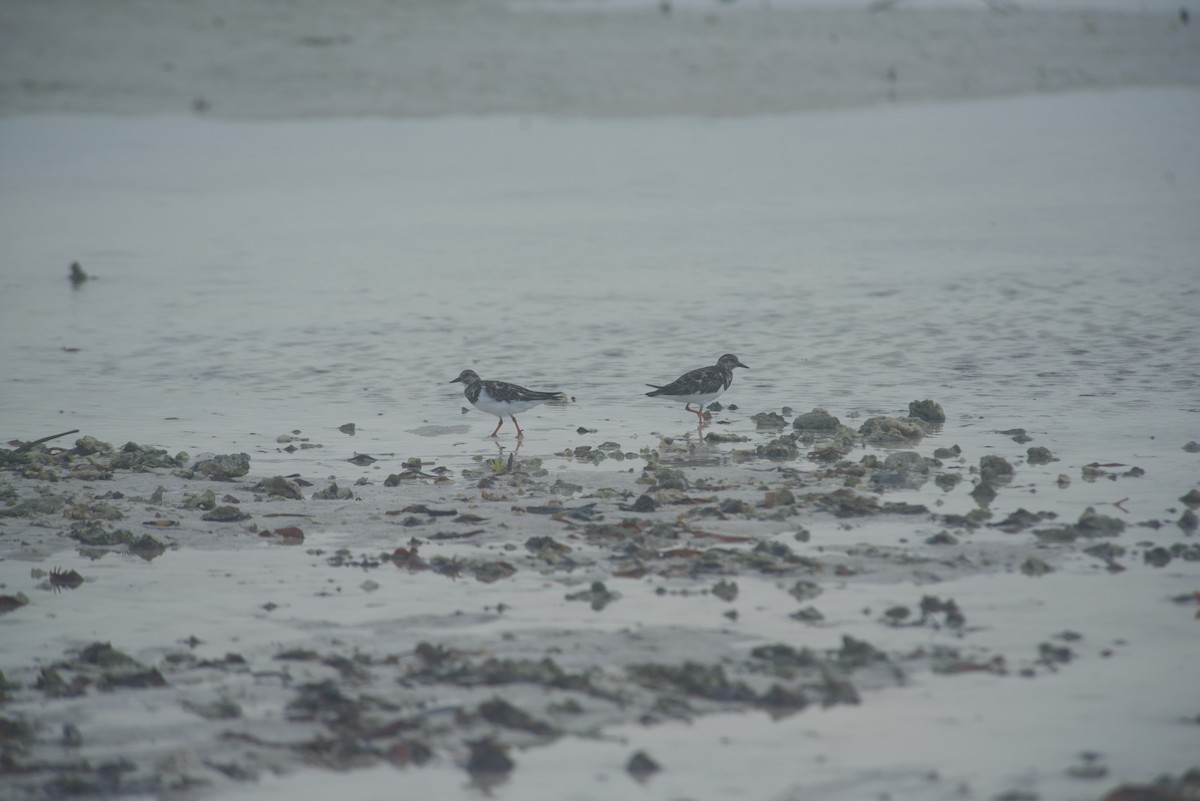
501 398
700 386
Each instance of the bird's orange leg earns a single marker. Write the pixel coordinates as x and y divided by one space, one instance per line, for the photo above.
497 427
520 433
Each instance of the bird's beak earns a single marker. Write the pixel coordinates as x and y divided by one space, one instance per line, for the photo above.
455 380
739 364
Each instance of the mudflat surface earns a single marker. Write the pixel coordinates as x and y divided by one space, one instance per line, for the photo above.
428 58
255 600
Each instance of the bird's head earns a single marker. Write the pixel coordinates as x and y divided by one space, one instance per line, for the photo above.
729 361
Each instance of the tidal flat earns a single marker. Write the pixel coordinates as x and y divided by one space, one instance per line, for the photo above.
938 541
180 626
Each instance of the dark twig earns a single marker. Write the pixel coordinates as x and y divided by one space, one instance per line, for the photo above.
29 445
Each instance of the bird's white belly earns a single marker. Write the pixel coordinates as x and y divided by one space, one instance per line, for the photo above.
699 397
503 408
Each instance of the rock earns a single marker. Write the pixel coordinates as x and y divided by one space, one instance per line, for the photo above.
103 655
1017 435
87 446
783 447
333 493
134 457
34 506
95 534
1091 524
809 614
856 653
890 430
805 590
1144 792
1158 557
984 493
769 420
220 709
1192 447
10 602
72 737
716 436
139 679
779 497
641 766
279 487
725 590
597 595
548 550
907 462
953 452
947 481
927 410
1035 567
289 535
502 713
931 606
1021 520
692 678
491 572
666 478
225 514
1039 455
734 506
1187 521
488 758
147 547
816 420
206 500
224 468
644 503
902 470
995 469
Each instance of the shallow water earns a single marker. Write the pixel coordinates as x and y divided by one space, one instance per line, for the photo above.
846 752
1028 263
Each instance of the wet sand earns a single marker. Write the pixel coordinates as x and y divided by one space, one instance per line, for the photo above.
457 619
426 58
1000 604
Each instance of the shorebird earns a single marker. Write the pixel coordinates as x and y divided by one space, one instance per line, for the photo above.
501 398
700 386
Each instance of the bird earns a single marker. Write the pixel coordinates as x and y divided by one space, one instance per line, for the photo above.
699 386
502 398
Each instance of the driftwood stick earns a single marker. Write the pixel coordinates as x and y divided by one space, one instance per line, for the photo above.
29 445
